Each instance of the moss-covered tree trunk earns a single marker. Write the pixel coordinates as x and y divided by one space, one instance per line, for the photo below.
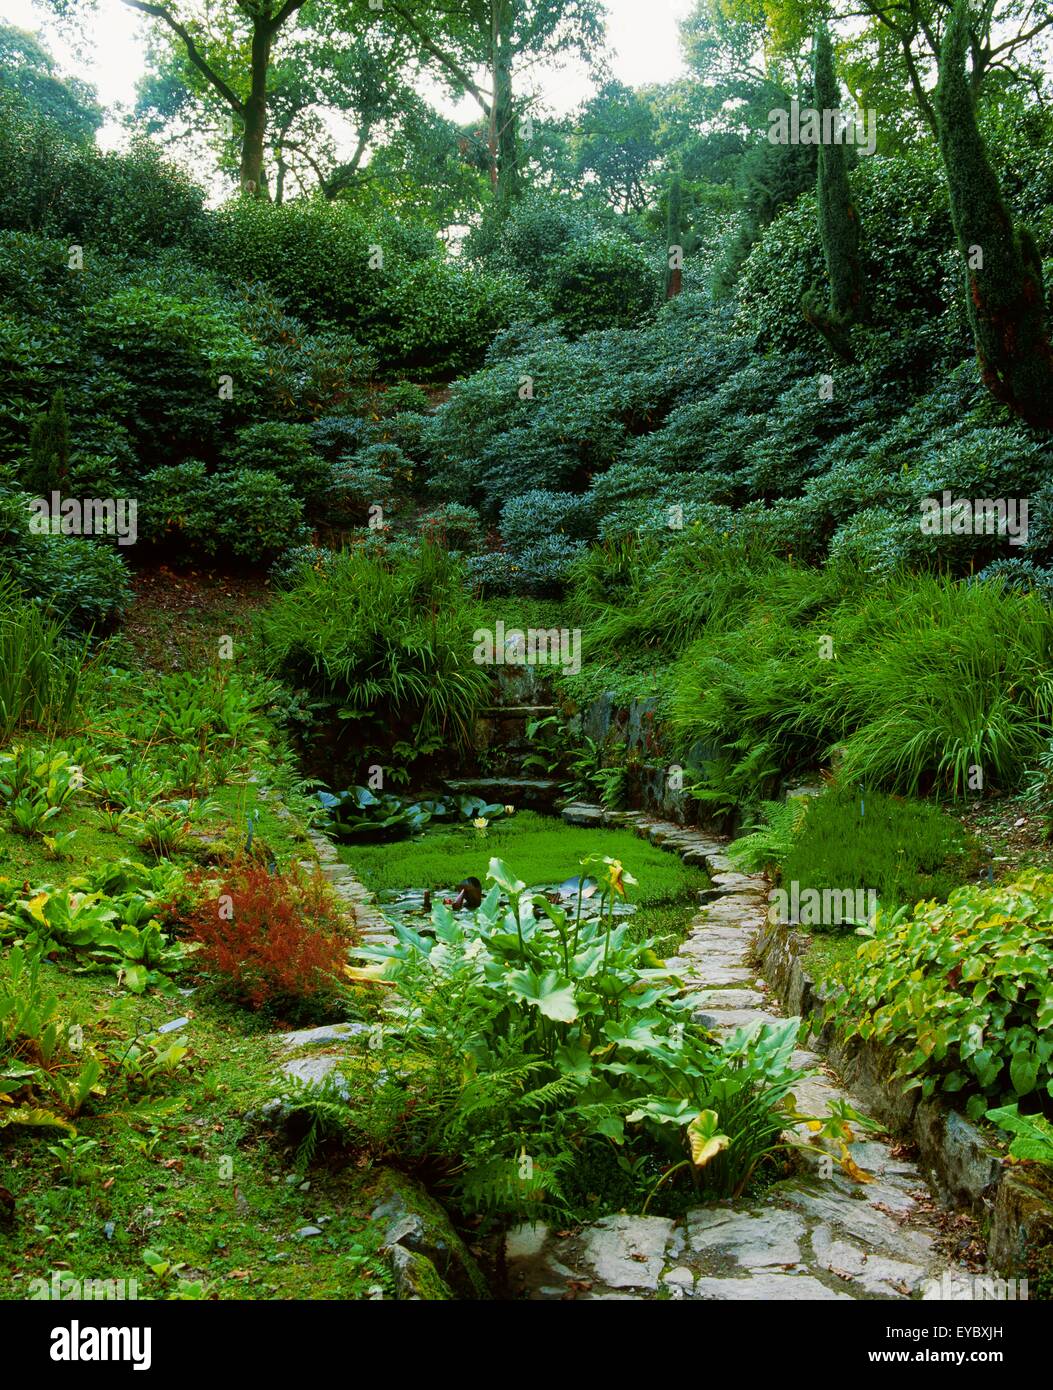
1003 268
504 126
839 229
255 110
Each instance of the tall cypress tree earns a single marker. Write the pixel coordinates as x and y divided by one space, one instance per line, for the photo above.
49 447
838 220
1003 269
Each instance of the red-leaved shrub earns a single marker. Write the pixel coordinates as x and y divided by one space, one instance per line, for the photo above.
275 939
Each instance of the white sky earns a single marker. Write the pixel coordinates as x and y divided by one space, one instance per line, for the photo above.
643 39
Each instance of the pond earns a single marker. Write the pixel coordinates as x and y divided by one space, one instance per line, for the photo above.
545 853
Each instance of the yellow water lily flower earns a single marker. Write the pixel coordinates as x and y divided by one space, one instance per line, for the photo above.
480 822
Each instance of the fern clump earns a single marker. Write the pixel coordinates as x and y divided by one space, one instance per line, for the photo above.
770 843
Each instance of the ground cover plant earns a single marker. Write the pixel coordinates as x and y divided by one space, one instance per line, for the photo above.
963 988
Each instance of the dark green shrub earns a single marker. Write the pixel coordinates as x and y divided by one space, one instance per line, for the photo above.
354 487
453 526
552 415
84 582
532 516
603 283
880 540
176 505
194 368
33 355
129 204
536 232
403 396
240 513
303 373
335 436
316 257
275 446
288 568
541 569
48 466
255 515
1022 575
903 205
387 460
439 318
407 431
381 279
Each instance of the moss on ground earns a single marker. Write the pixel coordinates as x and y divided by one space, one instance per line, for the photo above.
201 1188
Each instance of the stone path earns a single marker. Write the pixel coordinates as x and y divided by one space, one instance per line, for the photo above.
373 927
818 1235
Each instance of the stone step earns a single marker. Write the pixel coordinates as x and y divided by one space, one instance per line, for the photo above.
519 711
718 1019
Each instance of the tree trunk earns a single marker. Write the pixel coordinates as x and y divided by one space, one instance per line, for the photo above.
674 277
1006 302
504 138
838 222
252 175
